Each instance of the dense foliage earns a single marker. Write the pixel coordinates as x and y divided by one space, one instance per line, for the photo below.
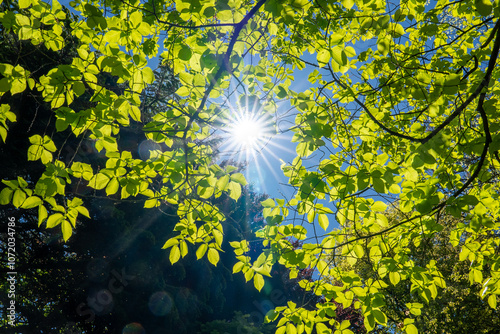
401 112
458 308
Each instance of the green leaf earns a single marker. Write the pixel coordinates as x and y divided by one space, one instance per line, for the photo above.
379 206
339 56
4 85
200 252
258 281
218 236
268 203
223 182
79 88
240 178
67 230
483 7
6 196
281 330
321 328
42 214
18 198
213 256
492 301
183 248
175 254
358 251
291 329
150 203
415 308
323 221
323 57
348 3
3 133
185 53
282 92
135 113
112 186
350 52
99 181
380 317
54 220
24 4
35 152
18 86
83 211
31 202
238 267
394 277
22 183
46 157
234 190
411 329
398 30
170 242
369 321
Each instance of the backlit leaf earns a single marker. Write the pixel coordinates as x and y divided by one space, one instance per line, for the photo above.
258 281
213 256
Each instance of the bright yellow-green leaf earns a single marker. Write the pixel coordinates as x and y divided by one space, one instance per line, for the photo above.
258 281
281 330
323 221
492 301
200 252
240 178
213 256
150 203
175 254
18 198
234 190
249 274
54 220
24 3
31 202
42 214
290 328
323 57
6 196
268 203
67 230
238 267
170 242
112 186
83 211
99 181
339 55
379 206
321 328
394 277
411 329
348 3
223 182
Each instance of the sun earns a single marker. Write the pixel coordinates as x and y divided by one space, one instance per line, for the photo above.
247 132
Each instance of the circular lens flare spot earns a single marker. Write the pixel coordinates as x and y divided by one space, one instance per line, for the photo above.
134 328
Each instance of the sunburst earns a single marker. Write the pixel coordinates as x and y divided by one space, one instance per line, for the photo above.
248 133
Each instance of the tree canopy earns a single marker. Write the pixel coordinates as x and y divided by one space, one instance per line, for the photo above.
400 114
